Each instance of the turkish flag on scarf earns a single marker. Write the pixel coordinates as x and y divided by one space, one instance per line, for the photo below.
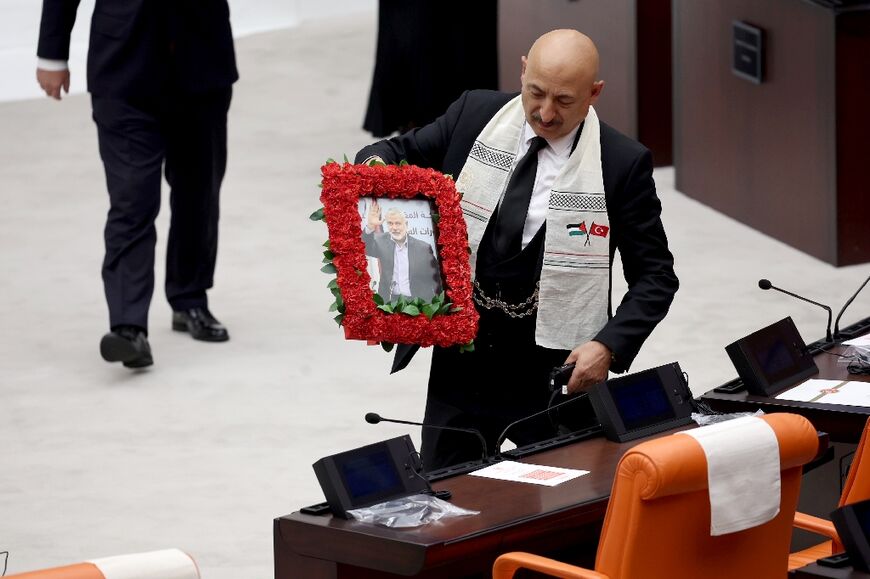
599 230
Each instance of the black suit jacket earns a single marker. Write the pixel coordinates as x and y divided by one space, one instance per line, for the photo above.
633 208
425 279
139 47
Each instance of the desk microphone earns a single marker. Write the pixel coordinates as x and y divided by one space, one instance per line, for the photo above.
504 432
846 305
766 285
374 418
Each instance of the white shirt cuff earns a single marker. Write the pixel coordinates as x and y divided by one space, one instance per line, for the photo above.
51 65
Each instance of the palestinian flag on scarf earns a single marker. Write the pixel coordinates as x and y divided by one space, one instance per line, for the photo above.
577 228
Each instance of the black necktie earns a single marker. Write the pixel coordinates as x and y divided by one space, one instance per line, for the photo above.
508 233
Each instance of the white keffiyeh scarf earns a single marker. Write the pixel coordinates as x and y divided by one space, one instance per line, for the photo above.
575 278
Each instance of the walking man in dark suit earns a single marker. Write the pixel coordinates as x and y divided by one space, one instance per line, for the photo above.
408 265
160 74
549 194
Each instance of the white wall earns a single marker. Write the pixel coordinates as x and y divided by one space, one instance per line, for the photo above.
19 32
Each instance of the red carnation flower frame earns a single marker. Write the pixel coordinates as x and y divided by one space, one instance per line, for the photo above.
343 185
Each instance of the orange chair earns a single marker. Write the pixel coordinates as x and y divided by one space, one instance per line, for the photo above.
657 524
857 489
153 565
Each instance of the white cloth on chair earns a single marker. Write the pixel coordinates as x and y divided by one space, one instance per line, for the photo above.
164 564
743 473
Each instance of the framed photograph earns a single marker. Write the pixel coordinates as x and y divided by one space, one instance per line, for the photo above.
399 249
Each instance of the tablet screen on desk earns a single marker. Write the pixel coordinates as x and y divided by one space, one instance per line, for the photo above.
772 358
853 525
369 475
641 404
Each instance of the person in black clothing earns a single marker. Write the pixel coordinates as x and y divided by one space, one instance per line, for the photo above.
549 194
160 74
428 52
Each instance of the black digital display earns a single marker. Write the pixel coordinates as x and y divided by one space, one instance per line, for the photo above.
772 358
371 474
642 402
852 522
862 513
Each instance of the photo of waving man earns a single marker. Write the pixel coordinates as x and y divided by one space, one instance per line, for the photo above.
408 266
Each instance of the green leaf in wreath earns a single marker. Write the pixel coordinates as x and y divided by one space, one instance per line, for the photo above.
469 347
333 283
328 268
378 299
455 309
430 310
449 176
388 308
326 244
339 318
411 310
317 215
328 255
330 161
387 346
333 307
403 163
346 160
436 217
377 163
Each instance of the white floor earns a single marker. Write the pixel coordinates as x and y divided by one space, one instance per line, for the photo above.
204 449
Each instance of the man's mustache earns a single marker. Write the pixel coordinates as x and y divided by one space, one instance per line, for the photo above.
537 118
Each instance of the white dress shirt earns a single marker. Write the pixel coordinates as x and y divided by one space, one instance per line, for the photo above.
551 159
401 270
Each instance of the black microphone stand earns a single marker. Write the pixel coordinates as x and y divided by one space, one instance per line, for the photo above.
846 305
766 285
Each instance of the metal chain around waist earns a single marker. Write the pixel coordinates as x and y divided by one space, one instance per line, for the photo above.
530 305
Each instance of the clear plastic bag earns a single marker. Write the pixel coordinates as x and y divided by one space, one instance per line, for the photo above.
857 359
412 511
707 419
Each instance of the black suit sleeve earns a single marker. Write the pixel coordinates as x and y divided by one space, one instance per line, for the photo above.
431 273
55 28
368 238
648 265
424 147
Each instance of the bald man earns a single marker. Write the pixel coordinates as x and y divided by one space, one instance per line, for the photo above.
550 193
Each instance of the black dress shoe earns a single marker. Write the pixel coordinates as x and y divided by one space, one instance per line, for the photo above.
201 325
127 344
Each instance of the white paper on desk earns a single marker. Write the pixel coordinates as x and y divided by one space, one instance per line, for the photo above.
548 476
859 341
849 393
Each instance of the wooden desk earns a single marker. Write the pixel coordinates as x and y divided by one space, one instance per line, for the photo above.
513 516
843 423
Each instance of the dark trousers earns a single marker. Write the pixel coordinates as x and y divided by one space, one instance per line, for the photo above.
504 379
184 135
